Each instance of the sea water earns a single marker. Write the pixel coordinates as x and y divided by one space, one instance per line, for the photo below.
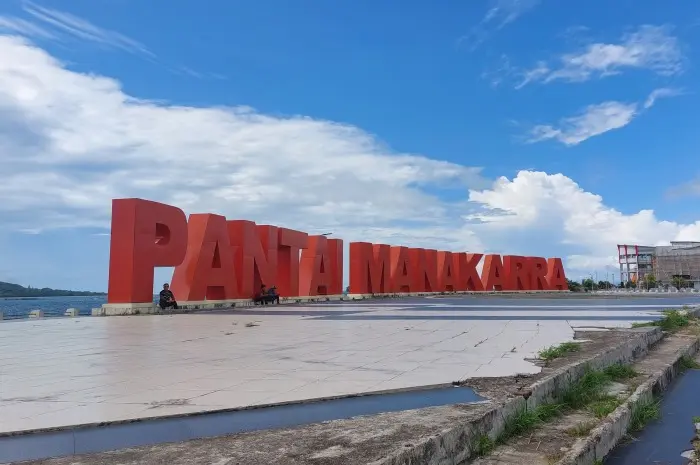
19 307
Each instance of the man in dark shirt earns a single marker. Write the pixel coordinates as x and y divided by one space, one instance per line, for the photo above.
167 299
273 296
261 297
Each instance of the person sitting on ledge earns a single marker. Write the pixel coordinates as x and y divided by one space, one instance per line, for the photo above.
167 299
273 296
261 297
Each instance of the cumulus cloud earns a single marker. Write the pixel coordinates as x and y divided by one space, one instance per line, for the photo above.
564 213
70 142
649 47
597 119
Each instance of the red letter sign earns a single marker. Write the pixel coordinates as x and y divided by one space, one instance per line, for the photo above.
207 273
145 235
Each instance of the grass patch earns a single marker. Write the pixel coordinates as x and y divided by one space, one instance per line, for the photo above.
672 321
588 389
619 372
559 351
604 406
643 413
527 420
688 363
582 429
589 392
484 445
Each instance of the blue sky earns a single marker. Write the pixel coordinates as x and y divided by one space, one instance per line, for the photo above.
523 126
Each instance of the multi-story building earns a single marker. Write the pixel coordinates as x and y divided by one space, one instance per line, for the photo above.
681 259
636 261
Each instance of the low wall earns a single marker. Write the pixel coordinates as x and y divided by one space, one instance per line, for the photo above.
152 308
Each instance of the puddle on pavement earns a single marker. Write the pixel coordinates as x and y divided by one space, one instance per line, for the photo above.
33 446
663 441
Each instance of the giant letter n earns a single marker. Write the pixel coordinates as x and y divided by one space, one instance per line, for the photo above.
145 235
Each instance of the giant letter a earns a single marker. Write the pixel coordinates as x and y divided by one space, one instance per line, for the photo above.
207 273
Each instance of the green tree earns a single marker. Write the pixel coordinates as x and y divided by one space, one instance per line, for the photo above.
574 286
589 284
649 281
679 282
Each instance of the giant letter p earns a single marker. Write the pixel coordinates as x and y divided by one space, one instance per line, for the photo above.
145 235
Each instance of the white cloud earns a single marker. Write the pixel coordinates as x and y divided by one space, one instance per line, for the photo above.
70 142
54 24
650 47
563 213
593 121
11 24
597 119
661 93
500 14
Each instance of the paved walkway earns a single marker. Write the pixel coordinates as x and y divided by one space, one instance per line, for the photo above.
63 372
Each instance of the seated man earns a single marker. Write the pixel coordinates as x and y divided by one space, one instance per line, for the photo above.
261 297
273 296
167 299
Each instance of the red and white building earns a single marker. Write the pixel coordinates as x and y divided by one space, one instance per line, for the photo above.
636 261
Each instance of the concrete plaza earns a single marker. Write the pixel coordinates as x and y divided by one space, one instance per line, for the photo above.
62 372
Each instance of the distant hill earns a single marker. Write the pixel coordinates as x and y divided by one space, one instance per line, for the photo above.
15 290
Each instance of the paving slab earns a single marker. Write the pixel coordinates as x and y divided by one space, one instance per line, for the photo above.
63 372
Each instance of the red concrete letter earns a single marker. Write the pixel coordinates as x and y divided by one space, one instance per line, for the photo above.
291 242
207 273
556 276
369 268
145 235
538 276
493 275
468 278
518 270
315 268
335 257
423 269
400 269
446 272
256 263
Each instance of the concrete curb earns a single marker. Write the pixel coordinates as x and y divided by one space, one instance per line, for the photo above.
605 437
187 307
457 444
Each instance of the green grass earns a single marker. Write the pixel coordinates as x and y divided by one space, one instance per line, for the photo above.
643 413
526 420
484 445
582 429
672 321
619 372
588 389
589 392
688 363
559 351
604 406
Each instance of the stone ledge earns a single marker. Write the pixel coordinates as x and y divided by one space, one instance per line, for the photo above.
152 308
606 436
